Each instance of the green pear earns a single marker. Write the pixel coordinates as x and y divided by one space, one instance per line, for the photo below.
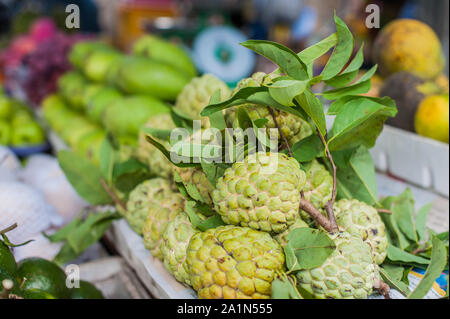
71 86
81 50
89 145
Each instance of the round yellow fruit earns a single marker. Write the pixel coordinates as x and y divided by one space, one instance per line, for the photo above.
431 118
409 45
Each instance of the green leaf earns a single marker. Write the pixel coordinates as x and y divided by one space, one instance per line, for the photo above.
217 119
434 270
355 89
308 148
336 106
397 255
311 247
284 57
350 72
341 53
359 122
285 91
62 233
280 289
403 213
127 175
107 159
393 282
84 177
312 53
421 221
211 222
65 254
314 108
213 171
356 175
91 230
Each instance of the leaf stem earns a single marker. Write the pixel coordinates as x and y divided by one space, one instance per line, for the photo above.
281 133
326 223
384 211
7 229
330 203
112 194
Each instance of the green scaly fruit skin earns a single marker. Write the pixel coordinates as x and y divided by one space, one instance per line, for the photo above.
232 262
360 219
125 116
318 188
348 273
196 177
262 192
86 291
292 127
139 75
175 240
197 94
147 153
163 51
155 189
159 215
43 275
282 238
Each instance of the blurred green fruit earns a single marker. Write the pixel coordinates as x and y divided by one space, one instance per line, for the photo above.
100 101
160 50
139 75
81 50
98 63
127 115
5 132
86 291
89 145
6 107
27 134
71 86
20 118
89 91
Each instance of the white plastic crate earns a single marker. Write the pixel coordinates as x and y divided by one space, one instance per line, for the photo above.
413 158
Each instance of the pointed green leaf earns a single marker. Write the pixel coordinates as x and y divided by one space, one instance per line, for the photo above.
421 221
286 90
308 148
314 108
403 213
341 53
398 255
107 158
438 261
84 177
284 57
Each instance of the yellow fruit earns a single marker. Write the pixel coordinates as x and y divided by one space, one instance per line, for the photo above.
431 118
409 45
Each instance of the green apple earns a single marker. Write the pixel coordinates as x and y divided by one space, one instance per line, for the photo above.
5 132
27 134
6 107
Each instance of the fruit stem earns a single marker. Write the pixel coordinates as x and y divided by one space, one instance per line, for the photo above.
281 133
330 203
7 229
112 194
382 288
317 215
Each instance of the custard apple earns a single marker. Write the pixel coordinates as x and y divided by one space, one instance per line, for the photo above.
152 190
292 127
348 273
233 262
362 219
160 213
196 95
262 192
175 240
318 188
282 238
149 154
196 177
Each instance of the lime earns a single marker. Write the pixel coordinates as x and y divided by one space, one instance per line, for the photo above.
43 275
86 291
